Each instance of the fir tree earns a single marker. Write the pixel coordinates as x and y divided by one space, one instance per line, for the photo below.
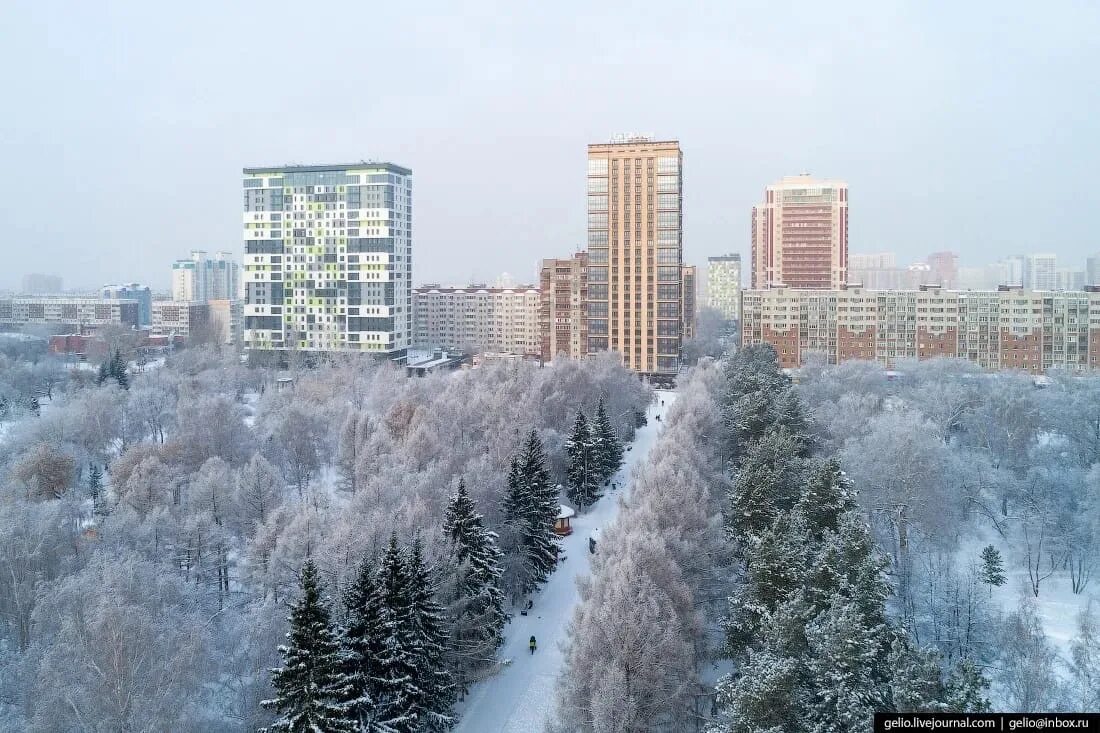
992 571
827 497
916 684
118 370
476 608
609 447
531 505
397 694
583 472
308 683
790 414
95 489
362 639
102 374
433 680
965 689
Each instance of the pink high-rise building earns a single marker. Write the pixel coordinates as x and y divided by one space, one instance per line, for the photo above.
800 234
945 268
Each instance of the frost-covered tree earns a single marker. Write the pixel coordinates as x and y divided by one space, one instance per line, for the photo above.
96 489
585 464
309 686
1027 673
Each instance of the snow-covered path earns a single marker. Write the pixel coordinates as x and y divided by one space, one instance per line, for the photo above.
520 697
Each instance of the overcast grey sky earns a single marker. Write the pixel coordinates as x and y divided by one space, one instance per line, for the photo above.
968 126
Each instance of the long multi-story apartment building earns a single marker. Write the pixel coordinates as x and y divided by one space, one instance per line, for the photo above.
724 286
690 285
800 234
478 318
202 278
328 258
563 308
1009 328
635 252
63 314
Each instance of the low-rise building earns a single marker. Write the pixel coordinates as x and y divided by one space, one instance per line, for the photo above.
187 320
70 315
1004 329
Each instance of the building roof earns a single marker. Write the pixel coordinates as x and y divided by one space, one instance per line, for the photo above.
334 167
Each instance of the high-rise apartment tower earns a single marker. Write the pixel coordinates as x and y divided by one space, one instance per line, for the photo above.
724 286
635 252
800 234
328 258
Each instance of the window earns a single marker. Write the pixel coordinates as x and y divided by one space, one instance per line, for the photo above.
597 166
668 165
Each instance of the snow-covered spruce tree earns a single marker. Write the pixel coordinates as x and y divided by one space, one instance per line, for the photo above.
398 693
992 571
768 483
791 415
828 495
95 490
362 640
584 471
435 701
531 506
309 682
965 689
609 454
117 370
475 604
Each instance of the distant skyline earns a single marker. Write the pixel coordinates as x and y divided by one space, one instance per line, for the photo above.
964 127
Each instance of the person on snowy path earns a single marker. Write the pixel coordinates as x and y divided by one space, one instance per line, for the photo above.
532 644
591 546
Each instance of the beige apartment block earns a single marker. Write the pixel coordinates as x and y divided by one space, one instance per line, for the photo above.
689 297
635 252
563 310
800 234
1008 328
478 318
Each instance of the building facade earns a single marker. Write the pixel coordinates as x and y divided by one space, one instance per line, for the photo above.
38 284
1009 328
944 269
724 286
478 318
635 252
226 320
563 307
328 259
132 291
202 278
71 315
1040 272
800 234
181 319
690 285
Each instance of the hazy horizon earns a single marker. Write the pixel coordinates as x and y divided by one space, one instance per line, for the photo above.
967 129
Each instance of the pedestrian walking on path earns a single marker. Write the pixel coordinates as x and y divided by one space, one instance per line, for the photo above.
532 644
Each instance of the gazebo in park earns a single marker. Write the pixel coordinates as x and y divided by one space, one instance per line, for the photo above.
561 524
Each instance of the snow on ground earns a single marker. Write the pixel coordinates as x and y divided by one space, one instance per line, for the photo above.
520 697
1057 605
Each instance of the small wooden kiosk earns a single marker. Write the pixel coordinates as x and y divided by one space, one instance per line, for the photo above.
561 524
